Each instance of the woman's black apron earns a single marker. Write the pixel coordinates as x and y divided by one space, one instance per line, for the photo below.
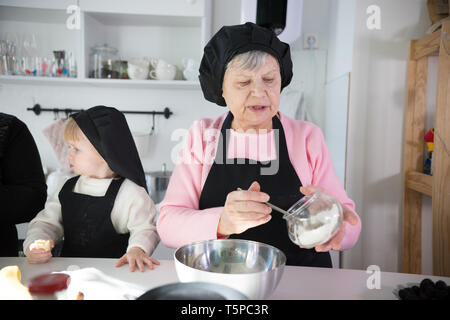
226 175
88 229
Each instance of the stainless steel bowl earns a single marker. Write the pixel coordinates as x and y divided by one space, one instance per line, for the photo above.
253 268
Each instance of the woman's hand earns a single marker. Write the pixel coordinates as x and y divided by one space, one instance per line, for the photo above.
39 255
349 216
243 210
137 256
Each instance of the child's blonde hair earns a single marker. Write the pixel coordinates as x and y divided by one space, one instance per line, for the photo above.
72 131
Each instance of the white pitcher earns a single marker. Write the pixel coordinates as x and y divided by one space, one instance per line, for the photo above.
191 68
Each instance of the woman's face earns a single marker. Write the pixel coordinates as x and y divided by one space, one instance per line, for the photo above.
253 96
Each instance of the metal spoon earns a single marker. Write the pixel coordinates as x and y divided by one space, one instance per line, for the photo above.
284 212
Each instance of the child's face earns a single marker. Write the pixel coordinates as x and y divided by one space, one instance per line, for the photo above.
85 160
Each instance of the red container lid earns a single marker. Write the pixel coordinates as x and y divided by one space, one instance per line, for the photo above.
49 283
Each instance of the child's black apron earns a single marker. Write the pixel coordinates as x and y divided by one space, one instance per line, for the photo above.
282 187
88 229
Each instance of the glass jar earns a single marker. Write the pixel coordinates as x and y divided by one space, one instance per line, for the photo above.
120 67
101 62
314 220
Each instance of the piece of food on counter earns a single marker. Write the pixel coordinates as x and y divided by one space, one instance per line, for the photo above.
11 272
49 286
80 296
10 286
41 244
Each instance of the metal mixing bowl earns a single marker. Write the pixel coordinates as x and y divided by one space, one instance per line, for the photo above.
253 268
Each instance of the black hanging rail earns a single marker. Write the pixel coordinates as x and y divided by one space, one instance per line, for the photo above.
37 109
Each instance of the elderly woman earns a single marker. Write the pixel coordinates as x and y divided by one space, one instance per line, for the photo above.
253 147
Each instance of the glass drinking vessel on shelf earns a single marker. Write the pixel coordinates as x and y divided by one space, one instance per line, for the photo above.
8 58
45 67
29 66
72 65
3 47
3 57
3 65
38 66
60 67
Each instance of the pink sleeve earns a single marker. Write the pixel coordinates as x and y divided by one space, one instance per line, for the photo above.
180 221
324 175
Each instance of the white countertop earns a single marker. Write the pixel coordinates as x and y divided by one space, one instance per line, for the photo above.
296 283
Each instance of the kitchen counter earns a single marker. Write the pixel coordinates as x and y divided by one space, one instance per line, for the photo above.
296 283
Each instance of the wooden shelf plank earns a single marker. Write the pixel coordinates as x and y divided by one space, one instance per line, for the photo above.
420 182
427 46
412 162
413 159
412 232
441 163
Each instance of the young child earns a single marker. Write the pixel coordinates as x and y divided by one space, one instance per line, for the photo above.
104 211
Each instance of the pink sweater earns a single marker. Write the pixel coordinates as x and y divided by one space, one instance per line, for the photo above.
181 222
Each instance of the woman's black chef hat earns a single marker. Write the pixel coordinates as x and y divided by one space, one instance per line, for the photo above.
232 40
108 131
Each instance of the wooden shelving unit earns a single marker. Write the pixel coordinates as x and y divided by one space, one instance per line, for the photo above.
417 184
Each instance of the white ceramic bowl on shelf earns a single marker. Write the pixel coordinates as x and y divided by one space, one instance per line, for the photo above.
138 69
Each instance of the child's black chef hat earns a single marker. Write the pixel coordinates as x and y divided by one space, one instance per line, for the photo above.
108 131
232 40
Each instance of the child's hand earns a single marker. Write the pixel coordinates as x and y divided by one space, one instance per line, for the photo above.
39 255
137 256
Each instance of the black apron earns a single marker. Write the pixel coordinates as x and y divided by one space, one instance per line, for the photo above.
283 187
88 229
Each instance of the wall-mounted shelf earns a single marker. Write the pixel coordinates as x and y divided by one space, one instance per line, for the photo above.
417 184
169 30
104 83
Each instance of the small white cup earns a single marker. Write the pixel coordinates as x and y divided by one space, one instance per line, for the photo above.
162 70
138 69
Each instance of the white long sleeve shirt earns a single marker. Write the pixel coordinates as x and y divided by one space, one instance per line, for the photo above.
133 211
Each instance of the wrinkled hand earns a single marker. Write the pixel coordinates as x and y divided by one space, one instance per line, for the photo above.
39 255
244 209
349 216
137 256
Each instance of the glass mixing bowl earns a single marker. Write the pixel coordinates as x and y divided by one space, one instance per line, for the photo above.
314 220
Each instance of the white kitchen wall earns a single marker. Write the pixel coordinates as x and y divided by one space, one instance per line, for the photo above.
339 67
375 133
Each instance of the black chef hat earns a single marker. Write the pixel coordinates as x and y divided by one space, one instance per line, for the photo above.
232 40
108 131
